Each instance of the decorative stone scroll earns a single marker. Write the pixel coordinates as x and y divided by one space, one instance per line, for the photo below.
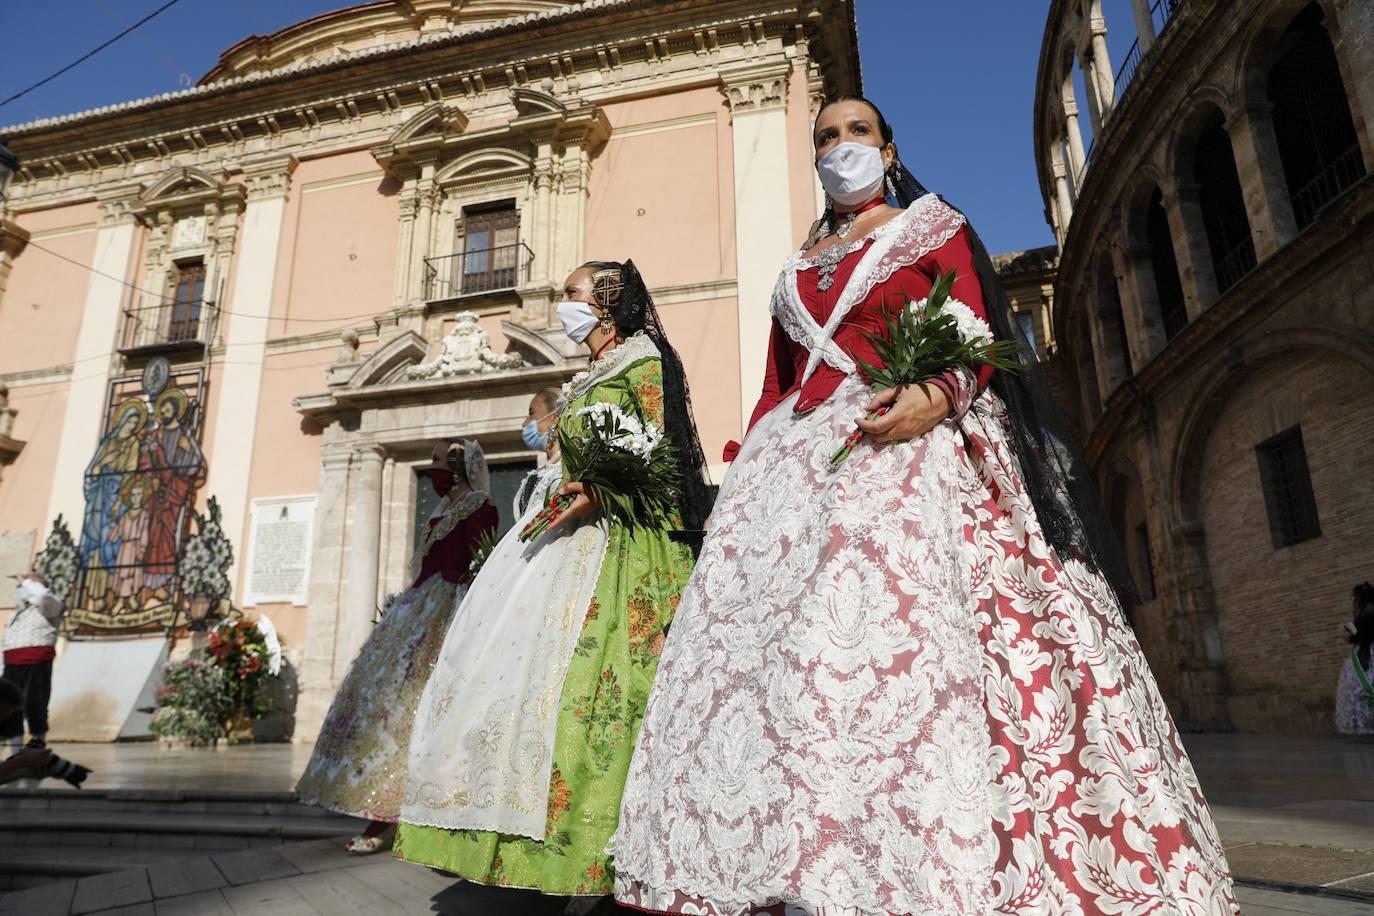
466 350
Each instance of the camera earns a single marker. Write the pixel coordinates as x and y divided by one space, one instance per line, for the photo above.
74 774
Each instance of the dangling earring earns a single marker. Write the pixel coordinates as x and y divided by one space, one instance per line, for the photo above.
891 185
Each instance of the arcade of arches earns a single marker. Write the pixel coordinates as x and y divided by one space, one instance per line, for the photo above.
1215 287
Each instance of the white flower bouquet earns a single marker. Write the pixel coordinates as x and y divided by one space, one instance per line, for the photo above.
626 465
927 339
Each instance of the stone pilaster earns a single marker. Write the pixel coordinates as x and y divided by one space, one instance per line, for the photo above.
364 552
13 239
111 265
230 452
757 95
318 676
1191 248
1267 203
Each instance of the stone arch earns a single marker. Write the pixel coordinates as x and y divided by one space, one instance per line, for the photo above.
1290 67
486 164
437 118
390 359
1220 564
1152 267
1111 320
1202 160
1208 404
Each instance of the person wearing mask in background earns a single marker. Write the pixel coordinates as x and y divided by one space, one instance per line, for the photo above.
540 434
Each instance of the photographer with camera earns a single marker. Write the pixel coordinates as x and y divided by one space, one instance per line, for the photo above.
33 762
29 644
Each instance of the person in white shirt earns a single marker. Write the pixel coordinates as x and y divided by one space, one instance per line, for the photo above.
29 646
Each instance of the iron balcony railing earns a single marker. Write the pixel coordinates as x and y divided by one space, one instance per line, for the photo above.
1161 14
168 325
475 271
1340 174
1232 266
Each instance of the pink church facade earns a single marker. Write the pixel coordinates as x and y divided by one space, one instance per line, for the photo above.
347 242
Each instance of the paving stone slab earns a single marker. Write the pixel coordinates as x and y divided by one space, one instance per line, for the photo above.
252 865
276 897
206 903
1315 865
191 876
320 855
115 889
49 900
1264 902
338 893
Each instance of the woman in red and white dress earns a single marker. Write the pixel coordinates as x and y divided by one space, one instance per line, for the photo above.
904 684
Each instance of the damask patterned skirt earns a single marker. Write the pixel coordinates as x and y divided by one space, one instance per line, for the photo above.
884 692
358 766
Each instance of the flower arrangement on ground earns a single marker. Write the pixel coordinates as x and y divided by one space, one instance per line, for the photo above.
247 655
924 340
191 701
626 465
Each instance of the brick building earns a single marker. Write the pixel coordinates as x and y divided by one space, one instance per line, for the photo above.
1215 308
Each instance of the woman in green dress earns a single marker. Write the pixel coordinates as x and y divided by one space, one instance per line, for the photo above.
525 729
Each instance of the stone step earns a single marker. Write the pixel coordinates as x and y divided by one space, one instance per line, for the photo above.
154 802
49 835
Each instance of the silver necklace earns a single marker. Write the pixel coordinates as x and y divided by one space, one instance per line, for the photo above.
828 259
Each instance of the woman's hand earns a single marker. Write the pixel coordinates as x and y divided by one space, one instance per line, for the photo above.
913 410
584 504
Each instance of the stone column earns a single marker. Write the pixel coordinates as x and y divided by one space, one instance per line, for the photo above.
763 210
1061 189
1262 182
1078 154
95 346
1107 379
422 243
1139 302
1144 24
364 544
230 453
13 239
325 592
1101 76
1191 248
1355 54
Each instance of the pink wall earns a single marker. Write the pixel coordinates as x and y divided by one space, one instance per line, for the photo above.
339 245
40 316
286 460
27 484
674 176
706 336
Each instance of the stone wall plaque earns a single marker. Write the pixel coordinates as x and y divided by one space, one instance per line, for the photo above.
279 550
16 556
189 231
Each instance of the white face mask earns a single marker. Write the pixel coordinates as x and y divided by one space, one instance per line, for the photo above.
29 590
852 173
578 319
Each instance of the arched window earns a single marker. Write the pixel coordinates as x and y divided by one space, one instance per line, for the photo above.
1172 310
1312 122
1223 206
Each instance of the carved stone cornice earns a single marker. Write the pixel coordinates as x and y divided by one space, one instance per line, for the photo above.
13 238
268 178
756 87
118 206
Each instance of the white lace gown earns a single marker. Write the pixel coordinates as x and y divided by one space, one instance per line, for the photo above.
482 744
885 692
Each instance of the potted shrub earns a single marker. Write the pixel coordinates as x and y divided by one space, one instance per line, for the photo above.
247 655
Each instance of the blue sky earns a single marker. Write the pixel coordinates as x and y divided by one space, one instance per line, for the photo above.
956 80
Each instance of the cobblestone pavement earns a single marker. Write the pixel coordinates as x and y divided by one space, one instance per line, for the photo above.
1292 811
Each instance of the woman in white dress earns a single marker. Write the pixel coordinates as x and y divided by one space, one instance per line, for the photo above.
903 684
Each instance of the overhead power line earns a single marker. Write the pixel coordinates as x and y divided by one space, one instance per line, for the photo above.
87 56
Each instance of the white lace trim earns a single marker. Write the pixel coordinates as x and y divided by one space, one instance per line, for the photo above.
924 227
638 346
